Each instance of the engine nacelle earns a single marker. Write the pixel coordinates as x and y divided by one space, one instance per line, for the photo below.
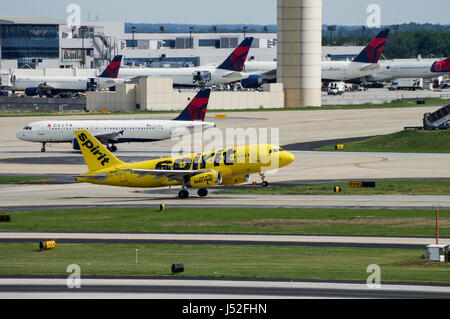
236 180
75 144
31 92
205 180
254 81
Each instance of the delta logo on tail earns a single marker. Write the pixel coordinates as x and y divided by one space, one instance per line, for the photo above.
236 60
112 71
196 110
441 66
372 52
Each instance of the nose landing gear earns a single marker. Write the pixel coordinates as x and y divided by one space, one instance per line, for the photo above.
264 182
43 147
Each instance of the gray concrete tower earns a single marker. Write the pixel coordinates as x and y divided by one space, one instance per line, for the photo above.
299 25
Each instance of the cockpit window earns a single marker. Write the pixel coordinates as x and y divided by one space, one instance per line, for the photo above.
275 150
27 128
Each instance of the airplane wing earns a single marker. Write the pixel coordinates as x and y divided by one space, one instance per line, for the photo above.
106 138
371 66
235 74
101 176
172 175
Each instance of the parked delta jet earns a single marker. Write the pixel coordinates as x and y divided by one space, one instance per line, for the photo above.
111 132
201 170
229 71
53 85
426 69
364 64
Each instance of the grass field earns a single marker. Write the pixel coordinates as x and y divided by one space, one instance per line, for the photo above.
382 222
407 187
397 265
5 179
401 142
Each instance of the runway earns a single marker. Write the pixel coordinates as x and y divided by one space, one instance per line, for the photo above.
186 289
295 129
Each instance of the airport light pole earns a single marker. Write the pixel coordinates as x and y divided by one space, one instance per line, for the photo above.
133 31
363 30
190 37
331 28
245 30
395 27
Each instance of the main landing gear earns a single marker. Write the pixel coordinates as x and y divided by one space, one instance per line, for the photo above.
43 147
183 193
111 148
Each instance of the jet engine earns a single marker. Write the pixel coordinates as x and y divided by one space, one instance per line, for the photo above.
205 180
254 81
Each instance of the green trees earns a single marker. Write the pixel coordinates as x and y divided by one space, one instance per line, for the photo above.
409 41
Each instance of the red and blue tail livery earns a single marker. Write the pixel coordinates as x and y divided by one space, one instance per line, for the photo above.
112 71
441 66
372 52
196 110
236 60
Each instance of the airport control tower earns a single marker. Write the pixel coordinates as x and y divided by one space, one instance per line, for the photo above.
299 25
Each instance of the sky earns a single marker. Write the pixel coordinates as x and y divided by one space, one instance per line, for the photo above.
262 12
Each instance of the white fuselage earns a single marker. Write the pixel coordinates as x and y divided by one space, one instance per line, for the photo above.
73 83
405 69
184 76
331 70
129 130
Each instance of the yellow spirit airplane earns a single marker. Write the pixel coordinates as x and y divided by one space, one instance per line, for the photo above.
200 170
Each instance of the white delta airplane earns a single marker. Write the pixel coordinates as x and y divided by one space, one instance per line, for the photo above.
364 64
426 69
228 72
111 132
54 85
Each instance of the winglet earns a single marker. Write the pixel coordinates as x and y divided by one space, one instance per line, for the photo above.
95 154
112 70
236 60
372 52
441 66
196 110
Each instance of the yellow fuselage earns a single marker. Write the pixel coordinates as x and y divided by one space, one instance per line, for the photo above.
232 162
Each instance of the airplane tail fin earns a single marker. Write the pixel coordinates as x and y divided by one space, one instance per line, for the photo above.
196 110
95 154
236 60
372 52
441 66
112 70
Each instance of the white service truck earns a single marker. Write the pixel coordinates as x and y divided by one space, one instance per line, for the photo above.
336 88
407 84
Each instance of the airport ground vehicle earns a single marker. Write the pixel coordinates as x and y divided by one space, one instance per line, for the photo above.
336 88
406 84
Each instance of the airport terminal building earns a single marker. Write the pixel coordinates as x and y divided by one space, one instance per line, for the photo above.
35 43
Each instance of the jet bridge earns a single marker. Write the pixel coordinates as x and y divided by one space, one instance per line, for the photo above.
439 120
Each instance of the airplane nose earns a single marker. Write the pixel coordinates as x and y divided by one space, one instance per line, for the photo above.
289 158
20 135
286 158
